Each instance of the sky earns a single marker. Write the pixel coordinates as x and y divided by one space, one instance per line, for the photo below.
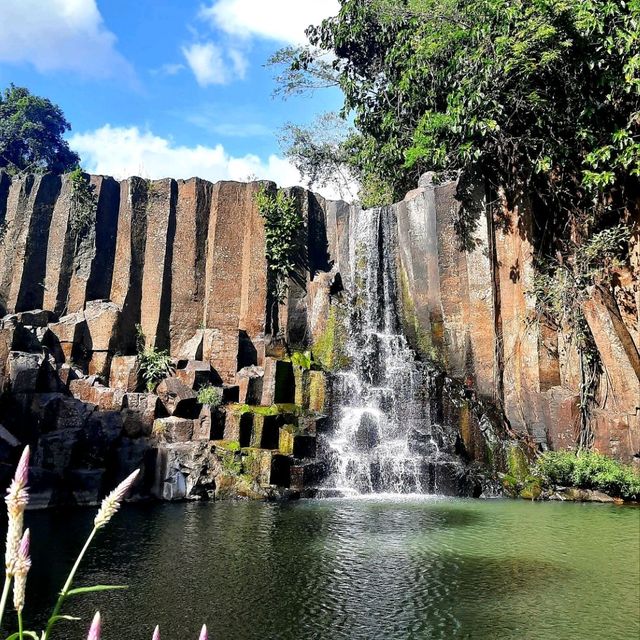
161 88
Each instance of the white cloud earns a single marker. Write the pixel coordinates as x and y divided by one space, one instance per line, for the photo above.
60 35
169 69
127 151
209 65
282 20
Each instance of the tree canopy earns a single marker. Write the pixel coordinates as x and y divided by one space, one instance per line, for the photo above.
31 134
535 96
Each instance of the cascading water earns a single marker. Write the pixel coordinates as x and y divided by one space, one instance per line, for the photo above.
382 439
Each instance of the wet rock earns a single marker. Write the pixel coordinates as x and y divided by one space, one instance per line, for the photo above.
318 392
186 471
366 436
86 485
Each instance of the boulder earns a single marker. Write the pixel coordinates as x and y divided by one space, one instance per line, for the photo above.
36 318
192 348
250 381
124 373
178 398
58 450
68 335
102 319
56 411
173 429
194 373
24 371
278 383
139 412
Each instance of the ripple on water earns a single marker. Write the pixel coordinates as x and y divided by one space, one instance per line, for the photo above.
375 567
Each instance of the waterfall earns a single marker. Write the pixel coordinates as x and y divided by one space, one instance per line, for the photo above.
383 439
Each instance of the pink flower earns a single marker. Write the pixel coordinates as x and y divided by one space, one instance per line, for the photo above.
17 499
156 633
203 634
22 471
96 627
111 503
21 569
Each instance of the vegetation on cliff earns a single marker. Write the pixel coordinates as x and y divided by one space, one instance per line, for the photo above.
554 470
534 96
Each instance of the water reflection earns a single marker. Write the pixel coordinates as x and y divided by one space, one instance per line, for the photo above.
351 569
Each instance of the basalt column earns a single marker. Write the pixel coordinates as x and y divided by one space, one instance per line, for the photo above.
126 290
162 196
234 215
189 261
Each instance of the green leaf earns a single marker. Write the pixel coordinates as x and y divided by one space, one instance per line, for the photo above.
29 634
98 587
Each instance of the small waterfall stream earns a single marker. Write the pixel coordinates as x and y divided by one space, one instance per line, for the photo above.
383 439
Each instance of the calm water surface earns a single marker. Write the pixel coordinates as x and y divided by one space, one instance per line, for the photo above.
352 569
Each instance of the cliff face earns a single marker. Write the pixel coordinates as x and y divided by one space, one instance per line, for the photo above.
177 257
472 311
185 260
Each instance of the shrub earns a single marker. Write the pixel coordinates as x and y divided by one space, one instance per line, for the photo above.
210 396
556 467
589 470
153 364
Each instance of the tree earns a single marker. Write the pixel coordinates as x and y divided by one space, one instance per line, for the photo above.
535 96
31 134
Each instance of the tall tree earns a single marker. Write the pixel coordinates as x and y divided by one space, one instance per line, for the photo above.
31 134
537 96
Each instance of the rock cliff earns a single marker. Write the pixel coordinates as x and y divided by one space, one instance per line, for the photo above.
185 261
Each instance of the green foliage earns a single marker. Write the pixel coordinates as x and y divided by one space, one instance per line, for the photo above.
32 134
300 359
233 446
153 364
535 95
320 152
210 396
560 288
283 223
84 201
589 470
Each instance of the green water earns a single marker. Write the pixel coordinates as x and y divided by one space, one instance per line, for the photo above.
356 569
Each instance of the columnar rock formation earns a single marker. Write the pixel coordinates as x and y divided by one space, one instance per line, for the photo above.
185 260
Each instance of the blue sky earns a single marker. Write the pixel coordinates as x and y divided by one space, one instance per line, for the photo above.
164 87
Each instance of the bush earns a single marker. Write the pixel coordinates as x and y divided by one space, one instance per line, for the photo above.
210 396
556 467
589 470
153 364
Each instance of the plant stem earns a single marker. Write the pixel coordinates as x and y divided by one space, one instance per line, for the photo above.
5 594
67 585
20 625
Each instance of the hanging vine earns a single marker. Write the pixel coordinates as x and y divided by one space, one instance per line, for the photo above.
282 224
560 288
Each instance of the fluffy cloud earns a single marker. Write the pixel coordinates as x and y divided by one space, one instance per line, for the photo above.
127 151
282 20
207 61
57 35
